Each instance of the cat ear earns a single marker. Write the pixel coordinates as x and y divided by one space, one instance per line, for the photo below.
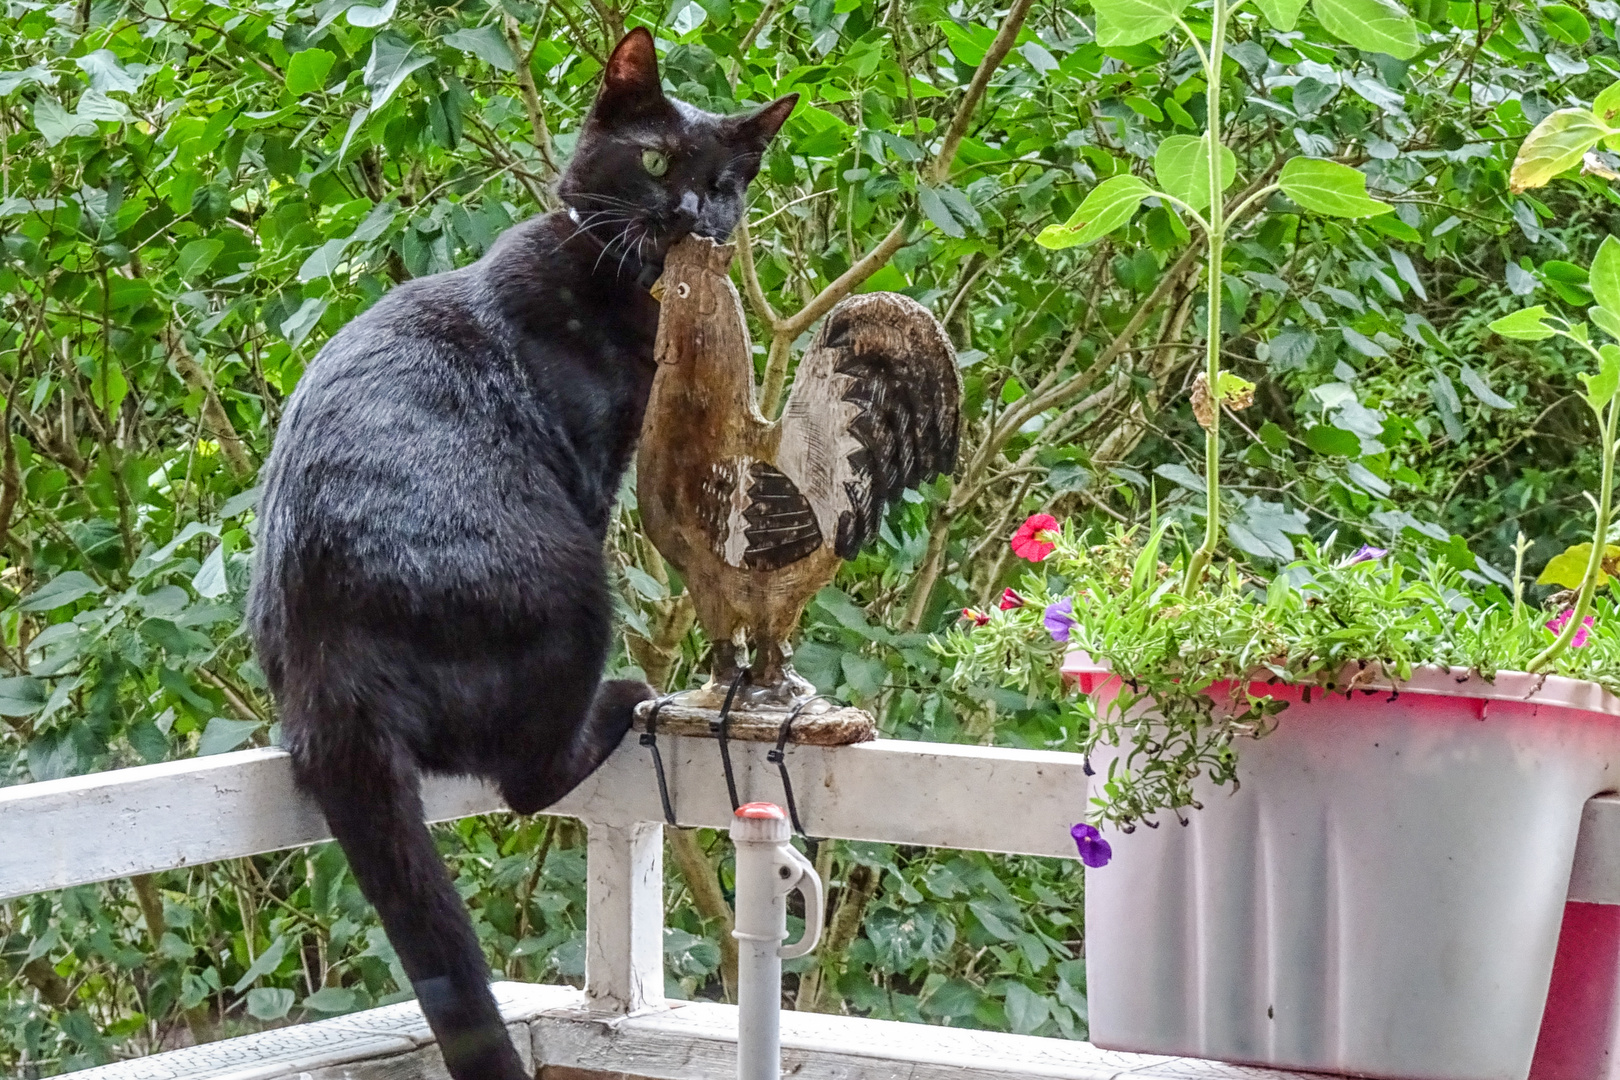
630 81
761 125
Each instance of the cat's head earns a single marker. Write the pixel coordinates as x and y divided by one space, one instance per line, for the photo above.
648 169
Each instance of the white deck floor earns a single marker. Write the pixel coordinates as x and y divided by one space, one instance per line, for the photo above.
688 1041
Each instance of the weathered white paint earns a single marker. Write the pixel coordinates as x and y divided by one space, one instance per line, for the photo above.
624 923
390 1042
555 1025
156 817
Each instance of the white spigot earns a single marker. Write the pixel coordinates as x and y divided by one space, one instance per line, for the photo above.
768 868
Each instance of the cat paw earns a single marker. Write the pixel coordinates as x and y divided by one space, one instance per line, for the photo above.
614 709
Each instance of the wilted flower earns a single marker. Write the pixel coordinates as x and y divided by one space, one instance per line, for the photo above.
1365 553
1581 635
1033 540
978 618
1094 850
1059 619
1010 600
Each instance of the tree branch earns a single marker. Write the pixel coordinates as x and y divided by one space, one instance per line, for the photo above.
215 421
531 102
940 169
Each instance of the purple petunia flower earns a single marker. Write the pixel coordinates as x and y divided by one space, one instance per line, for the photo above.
1059 619
1094 850
1366 553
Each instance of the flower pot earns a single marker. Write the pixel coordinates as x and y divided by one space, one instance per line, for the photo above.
1381 897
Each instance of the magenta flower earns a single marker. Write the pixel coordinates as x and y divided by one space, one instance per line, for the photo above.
1033 540
1366 553
1094 850
1010 599
1582 635
1059 619
977 618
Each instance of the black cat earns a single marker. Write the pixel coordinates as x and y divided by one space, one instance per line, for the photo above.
429 592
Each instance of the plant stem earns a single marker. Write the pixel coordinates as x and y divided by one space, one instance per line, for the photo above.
1216 235
1600 539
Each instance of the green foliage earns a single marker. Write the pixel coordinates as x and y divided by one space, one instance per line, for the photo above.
195 196
1194 664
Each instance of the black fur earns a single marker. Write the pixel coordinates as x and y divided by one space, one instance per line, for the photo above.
429 592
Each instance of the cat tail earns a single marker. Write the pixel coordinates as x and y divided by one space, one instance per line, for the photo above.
373 806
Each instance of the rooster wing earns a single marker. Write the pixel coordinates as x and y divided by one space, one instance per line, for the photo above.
875 409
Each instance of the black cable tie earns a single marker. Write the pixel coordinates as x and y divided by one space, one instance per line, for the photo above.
649 739
723 731
778 758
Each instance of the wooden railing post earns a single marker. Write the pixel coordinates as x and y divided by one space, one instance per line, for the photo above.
624 917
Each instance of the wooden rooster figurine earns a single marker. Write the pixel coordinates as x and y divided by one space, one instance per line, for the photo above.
758 514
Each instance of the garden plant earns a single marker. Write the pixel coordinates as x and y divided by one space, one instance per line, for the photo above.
195 195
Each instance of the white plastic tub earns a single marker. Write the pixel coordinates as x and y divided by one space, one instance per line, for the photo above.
1383 895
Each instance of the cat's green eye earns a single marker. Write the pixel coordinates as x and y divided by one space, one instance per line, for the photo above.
655 162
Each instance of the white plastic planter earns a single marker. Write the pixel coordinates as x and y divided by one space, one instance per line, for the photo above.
1383 895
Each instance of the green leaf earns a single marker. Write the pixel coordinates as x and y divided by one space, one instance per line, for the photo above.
1182 168
263 965
1335 442
1601 388
222 735
649 587
324 260
196 257
95 105
1568 567
1109 205
1604 277
1026 1010
1566 24
356 122
1557 143
1524 325
934 207
307 70
333 999
1281 14
296 327
1377 26
1130 22
106 73
486 43
21 696
210 580
33 75
56 123
392 61
1328 187
269 1002
365 15
60 591
1607 321
1482 389
1606 106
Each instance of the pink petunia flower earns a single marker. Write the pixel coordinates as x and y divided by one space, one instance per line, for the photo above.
1034 538
977 618
1582 635
1010 600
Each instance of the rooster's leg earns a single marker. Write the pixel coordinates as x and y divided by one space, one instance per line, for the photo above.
723 665
774 680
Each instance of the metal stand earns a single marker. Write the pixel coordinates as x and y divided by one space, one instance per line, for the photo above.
768 868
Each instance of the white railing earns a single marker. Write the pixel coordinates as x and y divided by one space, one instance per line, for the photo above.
132 821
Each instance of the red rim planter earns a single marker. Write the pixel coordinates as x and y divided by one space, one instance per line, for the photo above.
1382 896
